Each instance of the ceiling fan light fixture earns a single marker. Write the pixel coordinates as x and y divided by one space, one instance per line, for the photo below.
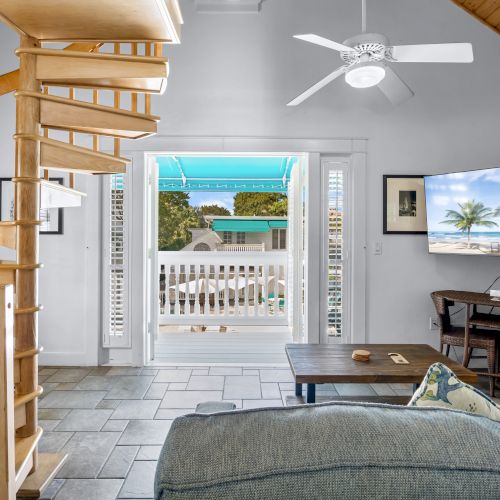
365 75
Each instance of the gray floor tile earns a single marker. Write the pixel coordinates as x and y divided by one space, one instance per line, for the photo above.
276 375
242 387
115 425
270 390
250 372
52 442
119 462
52 489
95 383
383 389
52 413
200 371
84 420
205 383
48 425
69 375
108 404
225 370
47 389
90 489
172 413
47 371
288 386
355 390
189 399
323 389
145 432
136 409
150 372
65 386
285 394
72 399
149 453
173 376
140 481
129 387
261 403
156 391
100 370
177 386
125 370
87 453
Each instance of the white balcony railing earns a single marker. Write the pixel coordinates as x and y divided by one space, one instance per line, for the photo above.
223 288
241 247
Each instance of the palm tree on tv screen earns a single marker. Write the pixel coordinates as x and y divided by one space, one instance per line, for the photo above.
471 213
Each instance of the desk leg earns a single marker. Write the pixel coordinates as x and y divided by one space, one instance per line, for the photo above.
311 393
466 335
298 389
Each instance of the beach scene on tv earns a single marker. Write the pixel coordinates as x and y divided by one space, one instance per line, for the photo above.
463 212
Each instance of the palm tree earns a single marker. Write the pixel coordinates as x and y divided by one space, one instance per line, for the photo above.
471 213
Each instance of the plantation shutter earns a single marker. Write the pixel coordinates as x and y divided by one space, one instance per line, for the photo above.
116 262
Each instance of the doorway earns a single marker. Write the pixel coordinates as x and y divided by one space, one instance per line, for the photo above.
230 291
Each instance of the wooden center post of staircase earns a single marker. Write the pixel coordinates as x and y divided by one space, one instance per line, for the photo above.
24 471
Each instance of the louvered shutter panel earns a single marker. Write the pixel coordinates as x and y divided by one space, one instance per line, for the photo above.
116 259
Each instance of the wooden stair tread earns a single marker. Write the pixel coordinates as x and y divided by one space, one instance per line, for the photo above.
57 155
104 20
55 195
35 484
68 114
100 70
24 449
8 233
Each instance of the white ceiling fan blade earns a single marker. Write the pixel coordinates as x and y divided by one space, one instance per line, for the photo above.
434 52
318 86
324 42
394 88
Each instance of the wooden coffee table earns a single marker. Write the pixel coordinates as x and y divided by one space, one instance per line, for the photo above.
313 364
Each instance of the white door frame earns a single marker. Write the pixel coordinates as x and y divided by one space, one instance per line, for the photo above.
354 148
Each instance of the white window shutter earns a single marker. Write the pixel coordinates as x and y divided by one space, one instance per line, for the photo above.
116 331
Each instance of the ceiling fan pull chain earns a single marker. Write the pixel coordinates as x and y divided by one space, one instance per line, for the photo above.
363 16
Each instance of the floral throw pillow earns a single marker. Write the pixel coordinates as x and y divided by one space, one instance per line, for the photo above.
441 387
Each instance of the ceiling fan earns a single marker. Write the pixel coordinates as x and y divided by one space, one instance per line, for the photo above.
366 56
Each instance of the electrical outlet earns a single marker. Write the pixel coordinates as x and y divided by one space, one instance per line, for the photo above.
433 323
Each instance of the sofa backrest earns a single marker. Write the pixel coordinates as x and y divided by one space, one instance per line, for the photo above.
331 450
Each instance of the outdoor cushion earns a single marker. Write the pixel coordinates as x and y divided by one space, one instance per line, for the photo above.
214 406
331 450
441 387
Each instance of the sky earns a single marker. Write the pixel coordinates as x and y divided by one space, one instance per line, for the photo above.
444 192
198 198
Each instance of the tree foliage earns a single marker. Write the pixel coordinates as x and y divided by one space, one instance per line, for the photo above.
175 218
471 213
261 204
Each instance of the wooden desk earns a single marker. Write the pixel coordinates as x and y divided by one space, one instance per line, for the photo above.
477 319
332 363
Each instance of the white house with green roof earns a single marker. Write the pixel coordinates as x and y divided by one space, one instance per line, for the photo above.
240 234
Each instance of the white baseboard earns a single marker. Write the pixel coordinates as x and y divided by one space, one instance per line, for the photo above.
66 359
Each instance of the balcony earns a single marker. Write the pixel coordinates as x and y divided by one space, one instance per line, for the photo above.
223 288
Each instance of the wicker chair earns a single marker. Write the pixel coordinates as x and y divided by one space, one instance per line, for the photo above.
478 338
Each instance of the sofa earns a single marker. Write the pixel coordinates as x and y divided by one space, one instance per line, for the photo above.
329 451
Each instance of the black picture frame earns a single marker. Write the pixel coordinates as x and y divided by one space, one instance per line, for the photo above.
418 196
7 200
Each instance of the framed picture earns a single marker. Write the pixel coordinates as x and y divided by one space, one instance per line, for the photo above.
51 218
404 204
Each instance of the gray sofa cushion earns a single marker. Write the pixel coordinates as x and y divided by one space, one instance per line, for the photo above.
332 450
214 406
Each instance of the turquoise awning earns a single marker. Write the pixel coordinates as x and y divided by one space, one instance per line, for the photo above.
241 225
278 223
266 174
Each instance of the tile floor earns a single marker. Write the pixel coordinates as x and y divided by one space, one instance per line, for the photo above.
112 422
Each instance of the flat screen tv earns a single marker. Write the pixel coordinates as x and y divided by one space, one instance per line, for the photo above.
463 212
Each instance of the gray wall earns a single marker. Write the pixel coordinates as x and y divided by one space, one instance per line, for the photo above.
233 75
